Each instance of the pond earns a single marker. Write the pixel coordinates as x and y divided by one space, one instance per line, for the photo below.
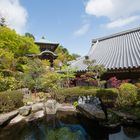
67 126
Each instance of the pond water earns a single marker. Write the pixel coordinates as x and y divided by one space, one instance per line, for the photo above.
67 126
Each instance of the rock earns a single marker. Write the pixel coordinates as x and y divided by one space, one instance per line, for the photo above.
5 118
24 91
125 116
51 104
66 108
30 103
17 119
37 107
48 95
51 107
91 111
25 110
35 116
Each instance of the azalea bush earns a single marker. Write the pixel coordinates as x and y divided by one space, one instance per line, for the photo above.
115 83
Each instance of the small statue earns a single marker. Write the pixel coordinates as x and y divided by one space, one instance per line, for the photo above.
80 101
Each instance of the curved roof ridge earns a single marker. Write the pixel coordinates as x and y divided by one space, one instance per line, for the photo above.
47 51
116 34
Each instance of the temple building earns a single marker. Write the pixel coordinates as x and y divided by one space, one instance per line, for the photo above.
119 53
47 50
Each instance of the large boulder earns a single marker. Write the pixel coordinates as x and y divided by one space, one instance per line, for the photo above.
91 111
17 119
35 116
51 107
66 108
25 110
92 107
5 118
37 107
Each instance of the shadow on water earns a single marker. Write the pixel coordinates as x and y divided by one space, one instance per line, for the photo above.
67 126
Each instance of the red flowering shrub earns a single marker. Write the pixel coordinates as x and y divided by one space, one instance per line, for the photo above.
115 83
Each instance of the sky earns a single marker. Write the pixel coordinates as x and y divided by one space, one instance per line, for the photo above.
72 23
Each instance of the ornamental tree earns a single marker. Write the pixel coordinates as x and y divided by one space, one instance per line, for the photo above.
94 71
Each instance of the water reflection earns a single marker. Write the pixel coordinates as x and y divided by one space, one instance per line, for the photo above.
126 133
67 127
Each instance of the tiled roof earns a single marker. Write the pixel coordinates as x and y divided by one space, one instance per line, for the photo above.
118 51
43 40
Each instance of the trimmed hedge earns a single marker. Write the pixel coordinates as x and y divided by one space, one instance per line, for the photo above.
10 100
73 93
108 96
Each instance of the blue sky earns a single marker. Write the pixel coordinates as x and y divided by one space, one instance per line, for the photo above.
72 23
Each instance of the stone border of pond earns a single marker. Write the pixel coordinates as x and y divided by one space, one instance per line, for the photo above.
39 110
33 112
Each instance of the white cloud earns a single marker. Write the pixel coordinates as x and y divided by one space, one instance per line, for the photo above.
122 22
83 30
14 13
99 7
116 11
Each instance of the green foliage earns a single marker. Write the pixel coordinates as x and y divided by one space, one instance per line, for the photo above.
78 91
21 63
6 59
63 56
68 72
33 73
138 85
75 56
2 22
95 71
135 111
108 96
93 67
10 100
17 44
75 103
41 95
67 76
51 81
7 83
128 94
30 35
63 93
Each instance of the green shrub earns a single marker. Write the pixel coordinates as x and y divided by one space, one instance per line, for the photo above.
128 94
10 100
64 93
75 104
108 96
8 82
138 85
41 95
